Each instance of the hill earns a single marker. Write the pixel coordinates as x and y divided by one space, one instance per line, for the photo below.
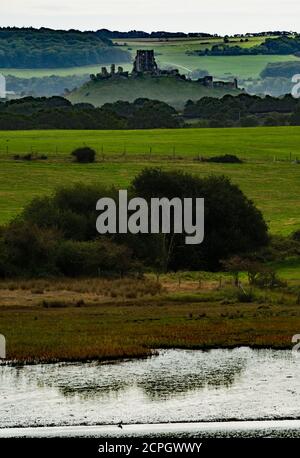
171 90
47 48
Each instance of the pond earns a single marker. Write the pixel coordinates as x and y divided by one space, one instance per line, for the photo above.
177 386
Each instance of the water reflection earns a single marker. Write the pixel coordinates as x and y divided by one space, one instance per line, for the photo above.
171 374
177 385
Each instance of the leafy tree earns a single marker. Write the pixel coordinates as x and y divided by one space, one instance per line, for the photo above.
232 223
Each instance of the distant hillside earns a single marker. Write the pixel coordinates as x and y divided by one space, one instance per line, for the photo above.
173 91
283 45
46 48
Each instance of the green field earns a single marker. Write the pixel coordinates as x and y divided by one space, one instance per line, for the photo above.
173 53
219 66
274 186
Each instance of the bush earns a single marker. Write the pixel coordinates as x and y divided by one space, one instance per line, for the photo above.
57 235
84 155
29 250
269 279
296 236
92 258
225 159
246 297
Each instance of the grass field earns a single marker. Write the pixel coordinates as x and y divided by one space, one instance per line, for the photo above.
274 186
173 53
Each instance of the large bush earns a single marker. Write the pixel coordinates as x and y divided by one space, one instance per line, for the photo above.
84 154
57 235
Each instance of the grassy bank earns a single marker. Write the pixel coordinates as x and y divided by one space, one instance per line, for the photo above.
100 319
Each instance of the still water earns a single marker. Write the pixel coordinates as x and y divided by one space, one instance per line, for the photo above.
178 386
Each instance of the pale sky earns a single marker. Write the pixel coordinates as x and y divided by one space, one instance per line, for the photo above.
217 16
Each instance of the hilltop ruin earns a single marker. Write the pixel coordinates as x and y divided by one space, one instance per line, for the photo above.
145 64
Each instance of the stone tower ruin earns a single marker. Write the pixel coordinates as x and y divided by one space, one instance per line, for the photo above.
145 62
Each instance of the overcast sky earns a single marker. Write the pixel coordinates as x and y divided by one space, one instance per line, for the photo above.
213 16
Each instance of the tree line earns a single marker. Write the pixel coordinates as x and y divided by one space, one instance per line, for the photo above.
244 110
230 111
59 113
47 48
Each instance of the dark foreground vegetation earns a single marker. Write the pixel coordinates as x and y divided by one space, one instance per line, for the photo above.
59 113
57 235
46 48
30 113
244 110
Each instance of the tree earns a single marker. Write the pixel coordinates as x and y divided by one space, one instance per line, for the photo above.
233 224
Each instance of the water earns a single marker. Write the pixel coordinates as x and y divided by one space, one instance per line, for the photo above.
178 386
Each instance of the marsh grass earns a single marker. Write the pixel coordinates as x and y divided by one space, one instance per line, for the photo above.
100 327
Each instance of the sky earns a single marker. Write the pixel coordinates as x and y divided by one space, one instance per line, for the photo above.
217 16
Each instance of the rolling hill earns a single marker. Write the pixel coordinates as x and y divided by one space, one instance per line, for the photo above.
172 90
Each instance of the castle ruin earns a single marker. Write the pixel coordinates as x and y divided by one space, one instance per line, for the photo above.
145 64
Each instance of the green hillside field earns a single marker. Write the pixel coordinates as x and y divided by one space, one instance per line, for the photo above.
274 185
173 53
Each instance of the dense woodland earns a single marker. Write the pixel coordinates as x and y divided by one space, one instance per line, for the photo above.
46 48
230 111
245 110
59 113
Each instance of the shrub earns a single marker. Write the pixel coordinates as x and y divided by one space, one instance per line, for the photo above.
84 155
57 235
296 236
246 297
225 159
92 258
269 279
29 249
